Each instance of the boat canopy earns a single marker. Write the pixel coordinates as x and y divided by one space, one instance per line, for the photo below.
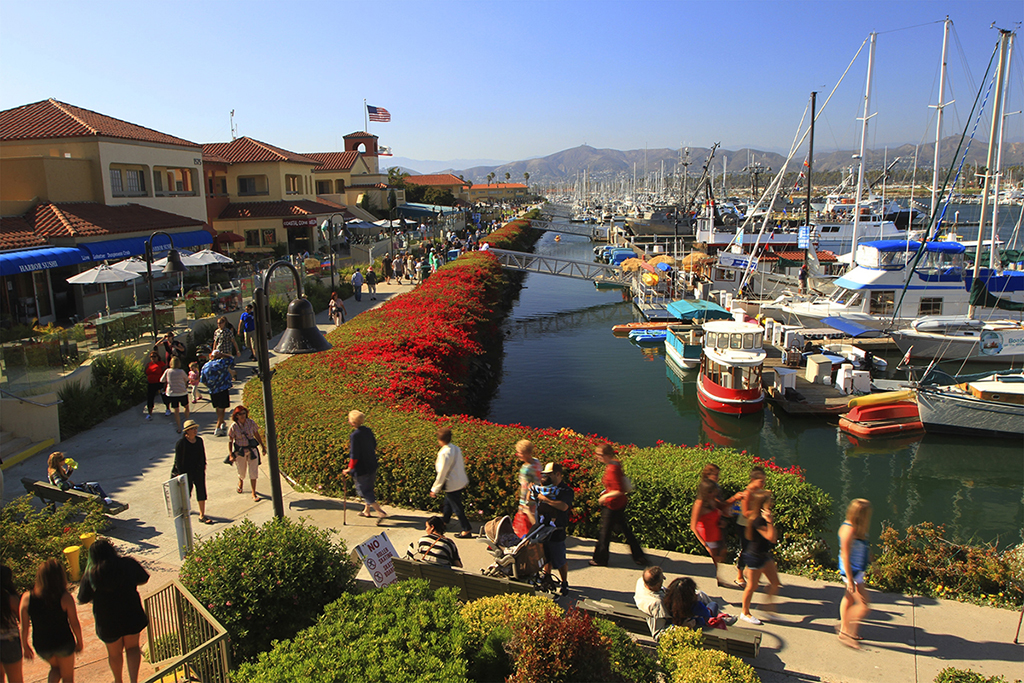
912 245
697 309
851 327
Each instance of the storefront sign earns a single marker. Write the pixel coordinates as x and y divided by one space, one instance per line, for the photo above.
303 222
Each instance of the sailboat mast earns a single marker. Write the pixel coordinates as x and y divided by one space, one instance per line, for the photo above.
993 262
1004 40
940 107
863 142
810 162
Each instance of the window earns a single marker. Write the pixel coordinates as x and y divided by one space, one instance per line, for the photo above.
158 182
748 340
883 302
128 180
170 181
252 238
252 185
269 237
736 341
323 187
931 305
292 184
115 182
341 186
136 182
246 186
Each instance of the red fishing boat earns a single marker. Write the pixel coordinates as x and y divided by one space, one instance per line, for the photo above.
730 368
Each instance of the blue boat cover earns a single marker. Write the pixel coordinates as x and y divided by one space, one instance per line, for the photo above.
26 261
851 327
697 309
904 245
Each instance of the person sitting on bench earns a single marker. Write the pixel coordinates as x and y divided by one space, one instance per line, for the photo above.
435 547
649 598
59 469
692 608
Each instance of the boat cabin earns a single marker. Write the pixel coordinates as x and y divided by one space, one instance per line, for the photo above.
730 369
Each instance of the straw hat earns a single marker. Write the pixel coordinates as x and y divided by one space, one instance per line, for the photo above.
189 424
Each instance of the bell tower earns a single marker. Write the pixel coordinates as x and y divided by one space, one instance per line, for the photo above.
364 143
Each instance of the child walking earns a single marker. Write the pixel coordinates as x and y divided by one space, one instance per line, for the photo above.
704 518
853 562
740 502
757 557
193 382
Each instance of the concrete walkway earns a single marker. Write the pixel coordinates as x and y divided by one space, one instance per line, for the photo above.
907 638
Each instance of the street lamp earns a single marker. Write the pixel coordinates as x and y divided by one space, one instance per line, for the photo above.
330 243
173 265
300 336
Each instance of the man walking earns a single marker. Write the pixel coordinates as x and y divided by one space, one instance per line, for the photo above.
554 501
357 284
247 330
216 375
613 509
371 283
451 478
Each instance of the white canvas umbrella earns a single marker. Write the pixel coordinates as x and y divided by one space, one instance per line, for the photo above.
102 275
133 264
187 260
208 257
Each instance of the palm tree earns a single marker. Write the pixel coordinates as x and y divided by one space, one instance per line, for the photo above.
508 176
490 177
526 178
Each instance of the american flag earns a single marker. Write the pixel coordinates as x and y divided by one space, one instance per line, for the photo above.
378 114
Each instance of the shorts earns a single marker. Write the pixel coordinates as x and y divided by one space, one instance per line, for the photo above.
752 561
197 479
712 545
177 401
61 651
858 577
554 553
364 486
10 650
221 399
245 464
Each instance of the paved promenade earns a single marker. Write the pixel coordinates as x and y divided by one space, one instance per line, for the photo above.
906 638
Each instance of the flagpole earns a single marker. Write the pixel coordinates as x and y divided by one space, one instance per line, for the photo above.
366 116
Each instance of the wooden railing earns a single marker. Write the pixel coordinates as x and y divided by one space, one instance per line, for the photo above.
185 641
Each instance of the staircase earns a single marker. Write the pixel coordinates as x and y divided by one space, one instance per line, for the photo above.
14 449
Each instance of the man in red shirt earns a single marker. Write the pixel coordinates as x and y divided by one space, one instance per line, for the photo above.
613 509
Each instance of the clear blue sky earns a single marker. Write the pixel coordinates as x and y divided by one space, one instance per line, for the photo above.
502 80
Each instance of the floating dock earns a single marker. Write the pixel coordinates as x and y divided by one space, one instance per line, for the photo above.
807 398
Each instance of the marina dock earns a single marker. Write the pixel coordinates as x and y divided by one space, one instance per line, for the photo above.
814 399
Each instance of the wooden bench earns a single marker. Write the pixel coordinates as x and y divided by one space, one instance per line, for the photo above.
471 586
48 493
741 642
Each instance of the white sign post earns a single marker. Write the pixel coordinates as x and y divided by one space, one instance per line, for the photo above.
177 500
375 554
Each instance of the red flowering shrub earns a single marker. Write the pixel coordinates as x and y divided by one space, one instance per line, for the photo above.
559 648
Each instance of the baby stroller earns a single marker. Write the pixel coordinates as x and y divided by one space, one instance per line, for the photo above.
514 557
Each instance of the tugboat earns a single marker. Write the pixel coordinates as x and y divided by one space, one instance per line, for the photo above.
730 368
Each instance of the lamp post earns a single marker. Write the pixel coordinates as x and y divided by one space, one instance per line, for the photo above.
330 243
300 336
173 265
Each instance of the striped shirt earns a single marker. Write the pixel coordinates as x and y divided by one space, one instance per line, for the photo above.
434 549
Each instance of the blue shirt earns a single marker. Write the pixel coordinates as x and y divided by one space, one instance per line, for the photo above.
248 322
216 374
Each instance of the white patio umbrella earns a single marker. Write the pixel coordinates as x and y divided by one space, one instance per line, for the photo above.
208 257
102 275
133 264
187 260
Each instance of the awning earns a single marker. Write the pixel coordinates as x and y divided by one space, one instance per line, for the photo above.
135 246
697 309
851 327
26 261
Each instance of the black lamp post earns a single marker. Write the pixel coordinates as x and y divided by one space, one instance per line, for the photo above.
173 265
330 243
301 336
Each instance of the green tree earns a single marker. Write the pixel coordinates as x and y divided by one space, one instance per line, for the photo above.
436 195
508 177
392 200
526 177
396 177
490 177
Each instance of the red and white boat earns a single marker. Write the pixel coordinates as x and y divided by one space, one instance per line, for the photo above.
886 414
730 368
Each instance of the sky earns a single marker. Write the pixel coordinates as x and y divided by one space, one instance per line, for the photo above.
506 80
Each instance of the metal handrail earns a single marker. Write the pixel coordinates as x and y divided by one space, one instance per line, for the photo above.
176 621
31 402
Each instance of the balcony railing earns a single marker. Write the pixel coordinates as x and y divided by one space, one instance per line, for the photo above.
185 642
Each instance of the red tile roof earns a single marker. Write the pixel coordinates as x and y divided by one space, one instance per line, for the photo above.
302 207
246 150
434 180
376 186
333 161
510 186
333 205
88 219
823 256
360 134
52 119
17 233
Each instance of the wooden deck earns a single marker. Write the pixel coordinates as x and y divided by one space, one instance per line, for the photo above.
818 399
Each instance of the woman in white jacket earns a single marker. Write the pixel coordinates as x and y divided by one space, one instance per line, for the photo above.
451 478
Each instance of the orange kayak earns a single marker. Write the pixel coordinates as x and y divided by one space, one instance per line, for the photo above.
624 329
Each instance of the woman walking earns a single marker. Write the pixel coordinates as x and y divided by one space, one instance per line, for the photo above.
853 562
154 383
50 610
244 444
613 509
362 454
757 557
451 478
111 584
336 309
704 522
224 338
176 380
10 631
190 459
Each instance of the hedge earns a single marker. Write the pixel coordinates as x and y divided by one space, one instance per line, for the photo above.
681 652
409 365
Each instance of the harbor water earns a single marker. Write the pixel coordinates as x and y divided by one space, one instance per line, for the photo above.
564 368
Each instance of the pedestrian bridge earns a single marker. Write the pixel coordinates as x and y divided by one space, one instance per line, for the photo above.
594 232
600 273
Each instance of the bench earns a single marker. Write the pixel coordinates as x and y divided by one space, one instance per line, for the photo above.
48 493
471 586
741 642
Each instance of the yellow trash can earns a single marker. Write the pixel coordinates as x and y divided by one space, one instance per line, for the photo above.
71 554
88 539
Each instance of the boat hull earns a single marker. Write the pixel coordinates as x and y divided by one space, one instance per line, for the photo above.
729 402
950 348
882 419
946 411
688 359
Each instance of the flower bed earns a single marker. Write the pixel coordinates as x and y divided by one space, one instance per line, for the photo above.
408 364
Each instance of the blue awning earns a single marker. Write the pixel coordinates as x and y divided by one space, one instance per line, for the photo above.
13 262
136 246
851 327
697 309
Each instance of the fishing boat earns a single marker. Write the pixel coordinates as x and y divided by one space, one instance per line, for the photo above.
682 346
962 338
993 406
882 419
731 361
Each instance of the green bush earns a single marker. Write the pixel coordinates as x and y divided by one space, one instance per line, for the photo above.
267 583
559 648
925 562
508 611
952 675
401 633
629 663
29 536
681 653
118 383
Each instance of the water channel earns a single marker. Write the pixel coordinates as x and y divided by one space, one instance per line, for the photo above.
563 368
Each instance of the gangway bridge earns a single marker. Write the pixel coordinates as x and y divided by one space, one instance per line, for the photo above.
601 273
594 232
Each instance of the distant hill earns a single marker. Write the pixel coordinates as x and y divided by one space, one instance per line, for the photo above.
423 166
607 163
